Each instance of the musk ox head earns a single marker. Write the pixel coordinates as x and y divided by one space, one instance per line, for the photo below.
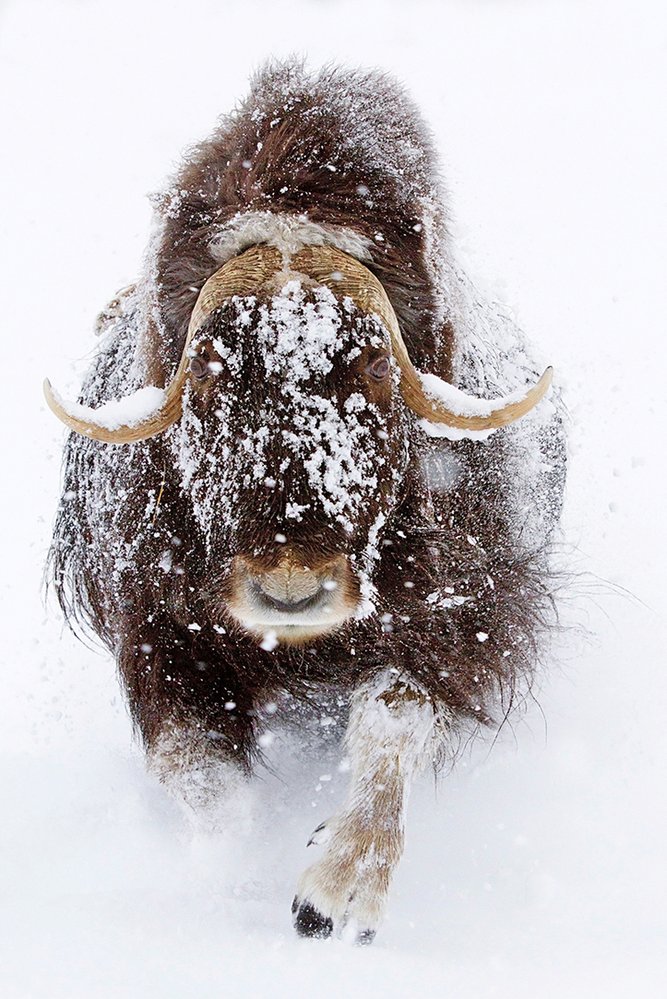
288 423
292 446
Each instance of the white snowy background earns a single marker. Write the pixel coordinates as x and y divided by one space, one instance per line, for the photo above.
535 869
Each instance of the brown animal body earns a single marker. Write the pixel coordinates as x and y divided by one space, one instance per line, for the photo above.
292 527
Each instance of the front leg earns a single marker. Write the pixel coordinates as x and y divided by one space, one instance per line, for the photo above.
201 771
390 734
196 721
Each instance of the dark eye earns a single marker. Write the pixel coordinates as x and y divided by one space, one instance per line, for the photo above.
379 368
199 366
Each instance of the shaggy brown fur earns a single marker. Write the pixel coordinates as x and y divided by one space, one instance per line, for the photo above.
129 558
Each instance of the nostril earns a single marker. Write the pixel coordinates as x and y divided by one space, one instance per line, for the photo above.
289 588
286 606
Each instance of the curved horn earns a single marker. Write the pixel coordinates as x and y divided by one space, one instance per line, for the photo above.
157 409
347 276
466 412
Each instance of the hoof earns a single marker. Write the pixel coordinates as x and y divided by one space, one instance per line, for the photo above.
308 922
365 938
320 835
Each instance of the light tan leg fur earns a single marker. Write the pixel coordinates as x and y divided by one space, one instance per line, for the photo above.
390 735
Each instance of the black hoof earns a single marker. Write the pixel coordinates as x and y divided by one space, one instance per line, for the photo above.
308 922
365 938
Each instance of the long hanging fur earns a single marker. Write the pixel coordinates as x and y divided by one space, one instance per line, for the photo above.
462 578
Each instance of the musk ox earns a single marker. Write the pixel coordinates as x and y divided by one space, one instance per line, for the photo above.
308 461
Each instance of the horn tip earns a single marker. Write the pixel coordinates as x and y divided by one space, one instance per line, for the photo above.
49 393
547 378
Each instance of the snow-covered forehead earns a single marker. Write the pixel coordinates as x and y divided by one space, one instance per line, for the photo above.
301 332
290 425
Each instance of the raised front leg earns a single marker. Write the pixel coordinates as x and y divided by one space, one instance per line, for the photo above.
389 736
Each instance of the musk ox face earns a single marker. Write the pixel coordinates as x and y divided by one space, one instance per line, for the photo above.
293 445
286 421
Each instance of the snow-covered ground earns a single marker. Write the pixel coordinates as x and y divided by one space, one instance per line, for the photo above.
536 869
